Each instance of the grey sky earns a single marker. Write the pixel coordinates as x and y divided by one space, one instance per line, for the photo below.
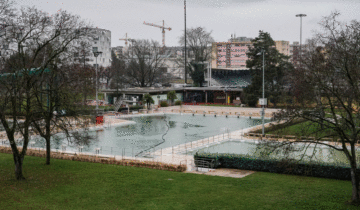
222 17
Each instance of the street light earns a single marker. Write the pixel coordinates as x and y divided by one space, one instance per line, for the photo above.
185 41
300 15
263 101
96 54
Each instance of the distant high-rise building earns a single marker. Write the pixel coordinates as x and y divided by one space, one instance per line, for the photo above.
283 47
101 42
295 52
230 55
98 40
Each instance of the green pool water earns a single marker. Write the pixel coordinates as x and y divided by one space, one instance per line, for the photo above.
157 132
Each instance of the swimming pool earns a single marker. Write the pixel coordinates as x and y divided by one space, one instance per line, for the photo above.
158 132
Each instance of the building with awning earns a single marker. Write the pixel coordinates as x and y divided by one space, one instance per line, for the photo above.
195 95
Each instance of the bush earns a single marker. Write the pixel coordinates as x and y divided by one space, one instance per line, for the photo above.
132 108
247 162
164 104
136 107
178 103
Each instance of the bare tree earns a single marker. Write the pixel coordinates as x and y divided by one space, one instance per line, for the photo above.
87 72
199 42
39 40
327 93
145 64
57 105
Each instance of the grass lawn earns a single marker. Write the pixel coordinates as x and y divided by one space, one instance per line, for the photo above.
79 185
306 128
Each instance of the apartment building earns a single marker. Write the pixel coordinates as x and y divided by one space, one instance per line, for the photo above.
283 47
295 52
101 41
230 55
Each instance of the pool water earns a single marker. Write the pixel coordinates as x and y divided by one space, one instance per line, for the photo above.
160 132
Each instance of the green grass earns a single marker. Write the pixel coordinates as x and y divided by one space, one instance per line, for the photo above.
79 185
304 128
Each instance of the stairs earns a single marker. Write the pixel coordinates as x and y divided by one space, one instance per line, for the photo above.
118 104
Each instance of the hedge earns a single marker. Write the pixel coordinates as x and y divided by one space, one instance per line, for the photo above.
164 104
246 162
132 108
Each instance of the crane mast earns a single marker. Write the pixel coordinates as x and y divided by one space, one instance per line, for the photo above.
162 28
126 40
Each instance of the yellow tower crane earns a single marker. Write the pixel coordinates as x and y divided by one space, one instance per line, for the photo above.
126 40
162 28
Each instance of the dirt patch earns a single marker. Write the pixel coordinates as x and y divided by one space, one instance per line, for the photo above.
226 172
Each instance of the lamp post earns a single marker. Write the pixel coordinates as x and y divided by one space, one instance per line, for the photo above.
185 41
263 102
96 54
300 15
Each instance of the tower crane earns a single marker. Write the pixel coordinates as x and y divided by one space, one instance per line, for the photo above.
126 40
162 28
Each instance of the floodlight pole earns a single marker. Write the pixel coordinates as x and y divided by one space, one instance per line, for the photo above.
96 54
185 41
263 95
300 15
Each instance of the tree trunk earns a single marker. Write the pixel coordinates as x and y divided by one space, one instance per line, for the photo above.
355 198
18 167
47 151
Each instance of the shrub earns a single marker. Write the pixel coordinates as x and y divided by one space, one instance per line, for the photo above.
164 104
177 103
247 162
136 107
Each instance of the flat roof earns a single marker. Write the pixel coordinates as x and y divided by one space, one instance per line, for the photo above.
150 90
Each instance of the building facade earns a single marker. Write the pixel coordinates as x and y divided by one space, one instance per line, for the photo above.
295 52
283 47
230 55
100 41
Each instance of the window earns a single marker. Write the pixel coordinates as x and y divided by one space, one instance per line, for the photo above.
95 42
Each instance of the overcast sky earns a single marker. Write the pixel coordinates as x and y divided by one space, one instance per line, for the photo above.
222 17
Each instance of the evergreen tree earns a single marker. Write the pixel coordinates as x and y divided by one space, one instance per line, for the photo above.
276 64
196 72
171 96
